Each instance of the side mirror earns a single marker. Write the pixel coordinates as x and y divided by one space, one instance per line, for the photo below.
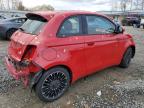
119 29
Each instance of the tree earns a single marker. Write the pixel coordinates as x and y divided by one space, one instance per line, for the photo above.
131 4
8 3
124 5
20 6
142 4
43 8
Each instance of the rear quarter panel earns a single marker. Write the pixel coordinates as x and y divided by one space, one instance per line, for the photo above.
71 56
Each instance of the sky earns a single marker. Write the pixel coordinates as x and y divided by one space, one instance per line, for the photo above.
89 5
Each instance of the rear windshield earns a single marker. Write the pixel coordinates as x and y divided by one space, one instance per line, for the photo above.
33 26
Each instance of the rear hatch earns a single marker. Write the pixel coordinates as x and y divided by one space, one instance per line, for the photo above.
18 44
23 37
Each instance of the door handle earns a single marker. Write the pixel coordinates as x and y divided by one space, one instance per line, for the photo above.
90 43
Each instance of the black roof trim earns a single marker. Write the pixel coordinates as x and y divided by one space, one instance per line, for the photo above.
34 16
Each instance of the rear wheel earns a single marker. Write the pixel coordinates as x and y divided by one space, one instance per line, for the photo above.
9 33
134 25
53 84
138 26
126 58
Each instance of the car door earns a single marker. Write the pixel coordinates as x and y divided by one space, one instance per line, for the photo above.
71 38
100 42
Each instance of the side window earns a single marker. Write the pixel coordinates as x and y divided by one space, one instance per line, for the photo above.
70 27
99 25
16 20
23 20
19 20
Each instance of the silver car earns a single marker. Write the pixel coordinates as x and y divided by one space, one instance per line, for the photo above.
9 26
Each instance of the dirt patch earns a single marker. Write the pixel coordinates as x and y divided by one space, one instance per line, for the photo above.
123 95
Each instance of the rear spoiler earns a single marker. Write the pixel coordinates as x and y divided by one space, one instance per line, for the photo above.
34 16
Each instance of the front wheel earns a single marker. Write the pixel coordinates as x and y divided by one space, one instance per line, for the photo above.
53 84
126 58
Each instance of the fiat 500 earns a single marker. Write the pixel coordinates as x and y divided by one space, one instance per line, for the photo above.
54 49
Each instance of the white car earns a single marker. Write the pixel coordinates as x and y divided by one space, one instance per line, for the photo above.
142 23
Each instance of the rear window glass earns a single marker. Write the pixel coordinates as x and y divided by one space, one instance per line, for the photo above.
33 26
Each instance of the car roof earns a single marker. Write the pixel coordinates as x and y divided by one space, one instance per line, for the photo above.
9 19
47 14
131 17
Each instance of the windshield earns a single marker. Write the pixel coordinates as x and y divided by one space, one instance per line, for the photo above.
33 26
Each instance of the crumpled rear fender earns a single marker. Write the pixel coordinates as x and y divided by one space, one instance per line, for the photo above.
60 55
49 57
52 57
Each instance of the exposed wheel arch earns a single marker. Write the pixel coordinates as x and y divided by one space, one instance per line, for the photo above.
126 58
53 84
9 31
36 77
133 49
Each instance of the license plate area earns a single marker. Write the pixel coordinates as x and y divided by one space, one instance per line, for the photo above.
17 65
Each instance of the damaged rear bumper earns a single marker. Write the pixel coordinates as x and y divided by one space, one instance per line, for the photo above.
17 74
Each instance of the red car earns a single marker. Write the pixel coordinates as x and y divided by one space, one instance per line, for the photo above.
54 49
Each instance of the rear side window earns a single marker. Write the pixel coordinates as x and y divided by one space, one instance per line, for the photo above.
70 27
33 26
19 20
99 25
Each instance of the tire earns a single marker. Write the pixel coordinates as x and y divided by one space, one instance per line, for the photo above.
9 33
138 26
126 58
134 26
53 84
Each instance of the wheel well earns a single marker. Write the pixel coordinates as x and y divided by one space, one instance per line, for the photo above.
67 68
35 80
133 49
11 29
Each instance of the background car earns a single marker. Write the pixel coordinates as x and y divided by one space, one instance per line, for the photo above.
9 26
2 17
142 23
131 21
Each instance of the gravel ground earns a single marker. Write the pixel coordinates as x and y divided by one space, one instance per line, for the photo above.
111 88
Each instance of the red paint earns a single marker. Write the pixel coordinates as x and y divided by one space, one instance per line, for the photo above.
83 55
